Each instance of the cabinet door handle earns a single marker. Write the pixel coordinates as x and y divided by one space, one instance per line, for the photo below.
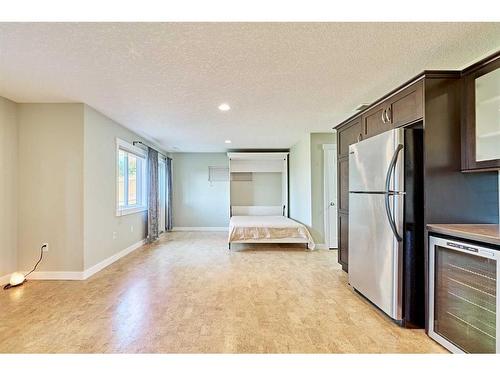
388 114
360 136
383 116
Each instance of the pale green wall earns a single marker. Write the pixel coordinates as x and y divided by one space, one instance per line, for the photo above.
317 184
8 186
196 201
265 189
50 193
306 182
100 218
64 156
300 181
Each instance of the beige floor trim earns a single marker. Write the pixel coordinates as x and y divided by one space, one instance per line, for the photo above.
200 229
55 275
106 262
81 275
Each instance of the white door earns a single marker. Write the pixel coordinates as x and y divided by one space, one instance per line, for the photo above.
330 195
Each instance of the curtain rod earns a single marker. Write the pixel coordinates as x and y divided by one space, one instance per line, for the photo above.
145 145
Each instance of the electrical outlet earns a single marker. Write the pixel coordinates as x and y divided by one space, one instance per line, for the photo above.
115 235
45 247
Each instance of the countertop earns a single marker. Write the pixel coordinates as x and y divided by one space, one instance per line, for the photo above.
487 233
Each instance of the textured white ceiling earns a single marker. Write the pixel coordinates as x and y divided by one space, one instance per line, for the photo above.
165 80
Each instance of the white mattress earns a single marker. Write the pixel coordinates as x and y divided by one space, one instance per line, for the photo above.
268 229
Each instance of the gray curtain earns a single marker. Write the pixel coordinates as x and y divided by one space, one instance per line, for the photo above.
153 196
168 184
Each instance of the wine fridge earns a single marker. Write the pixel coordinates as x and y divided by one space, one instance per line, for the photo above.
463 302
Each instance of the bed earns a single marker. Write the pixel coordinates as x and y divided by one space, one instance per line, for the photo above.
268 229
258 200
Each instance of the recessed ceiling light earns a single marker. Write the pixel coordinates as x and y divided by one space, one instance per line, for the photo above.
227 141
224 107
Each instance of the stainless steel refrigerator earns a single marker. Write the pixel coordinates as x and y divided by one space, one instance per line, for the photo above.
386 223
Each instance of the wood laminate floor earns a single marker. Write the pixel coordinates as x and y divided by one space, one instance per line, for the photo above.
189 294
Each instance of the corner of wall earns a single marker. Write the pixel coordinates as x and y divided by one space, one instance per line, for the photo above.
9 144
300 181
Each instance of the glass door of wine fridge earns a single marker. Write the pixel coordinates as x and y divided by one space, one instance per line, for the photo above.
463 303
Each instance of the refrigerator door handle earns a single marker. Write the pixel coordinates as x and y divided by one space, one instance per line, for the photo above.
390 216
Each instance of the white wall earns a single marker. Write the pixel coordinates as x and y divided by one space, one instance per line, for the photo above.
265 189
8 186
100 220
196 201
50 191
300 181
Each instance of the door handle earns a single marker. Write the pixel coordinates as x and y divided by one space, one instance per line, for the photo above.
383 116
388 114
332 204
390 217
389 193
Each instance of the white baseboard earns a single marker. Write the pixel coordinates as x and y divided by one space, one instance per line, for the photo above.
113 258
321 246
56 275
5 279
79 275
47 275
200 229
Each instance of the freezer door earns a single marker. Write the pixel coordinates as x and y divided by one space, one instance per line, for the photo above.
369 161
375 256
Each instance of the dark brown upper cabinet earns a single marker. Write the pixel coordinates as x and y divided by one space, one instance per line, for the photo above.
481 116
350 134
402 108
375 121
406 106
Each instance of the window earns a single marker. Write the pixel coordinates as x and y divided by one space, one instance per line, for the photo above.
131 178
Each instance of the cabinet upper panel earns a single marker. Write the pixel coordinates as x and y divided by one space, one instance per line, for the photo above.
407 106
350 134
487 105
401 109
481 117
375 121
